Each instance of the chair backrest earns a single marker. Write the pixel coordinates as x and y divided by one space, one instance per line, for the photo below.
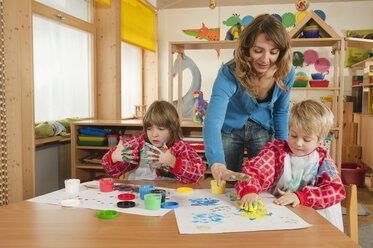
350 203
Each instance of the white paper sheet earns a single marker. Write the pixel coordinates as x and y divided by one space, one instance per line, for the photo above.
91 197
203 212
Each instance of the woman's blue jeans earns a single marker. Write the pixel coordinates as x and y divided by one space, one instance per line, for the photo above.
252 136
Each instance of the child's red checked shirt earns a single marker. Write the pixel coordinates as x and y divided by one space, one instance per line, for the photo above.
323 189
189 167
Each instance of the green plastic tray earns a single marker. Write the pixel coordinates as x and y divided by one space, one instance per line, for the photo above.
300 83
91 143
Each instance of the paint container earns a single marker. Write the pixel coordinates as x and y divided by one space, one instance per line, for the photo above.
162 192
106 184
145 189
215 189
153 201
72 186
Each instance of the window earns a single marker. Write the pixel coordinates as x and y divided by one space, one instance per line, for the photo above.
77 8
62 71
131 79
63 60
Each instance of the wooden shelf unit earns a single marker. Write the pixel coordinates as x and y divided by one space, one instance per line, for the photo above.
87 171
364 119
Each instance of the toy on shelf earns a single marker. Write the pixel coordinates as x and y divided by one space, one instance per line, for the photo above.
200 111
234 32
54 128
140 111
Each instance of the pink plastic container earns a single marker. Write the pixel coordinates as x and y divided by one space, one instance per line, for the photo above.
106 184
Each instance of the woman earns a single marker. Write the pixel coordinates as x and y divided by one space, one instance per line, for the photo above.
249 104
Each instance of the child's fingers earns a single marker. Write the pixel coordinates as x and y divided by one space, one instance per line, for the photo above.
165 148
281 192
131 161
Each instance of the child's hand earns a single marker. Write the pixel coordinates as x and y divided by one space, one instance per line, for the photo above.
249 202
122 153
159 155
287 198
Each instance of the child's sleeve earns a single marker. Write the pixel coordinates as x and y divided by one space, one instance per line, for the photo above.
189 167
121 167
328 189
263 169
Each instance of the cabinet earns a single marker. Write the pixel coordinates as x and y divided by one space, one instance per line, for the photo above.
329 39
362 93
91 168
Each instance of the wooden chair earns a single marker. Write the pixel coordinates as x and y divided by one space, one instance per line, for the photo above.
350 203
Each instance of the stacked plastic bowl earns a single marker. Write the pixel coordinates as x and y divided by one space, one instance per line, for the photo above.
311 31
301 79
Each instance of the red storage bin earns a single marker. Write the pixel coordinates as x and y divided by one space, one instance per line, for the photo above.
316 83
353 173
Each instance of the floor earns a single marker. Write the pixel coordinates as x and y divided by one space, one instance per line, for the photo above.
365 196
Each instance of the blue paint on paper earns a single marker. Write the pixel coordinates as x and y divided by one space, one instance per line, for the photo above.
207 218
204 202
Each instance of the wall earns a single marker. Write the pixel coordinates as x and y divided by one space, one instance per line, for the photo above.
340 16
53 166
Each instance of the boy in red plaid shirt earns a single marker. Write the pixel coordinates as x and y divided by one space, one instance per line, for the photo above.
297 170
158 153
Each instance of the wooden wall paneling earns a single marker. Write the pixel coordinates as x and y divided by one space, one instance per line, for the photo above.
150 77
366 140
357 119
150 72
108 64
20 99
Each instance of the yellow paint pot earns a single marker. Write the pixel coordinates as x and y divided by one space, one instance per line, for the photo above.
215 189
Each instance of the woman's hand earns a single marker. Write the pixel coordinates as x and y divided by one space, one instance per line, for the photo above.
122 153
220 173
287 198
249 201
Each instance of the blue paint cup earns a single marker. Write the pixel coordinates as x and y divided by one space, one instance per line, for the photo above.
145 189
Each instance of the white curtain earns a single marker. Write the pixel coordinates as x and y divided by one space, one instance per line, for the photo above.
131 79
62 71
77 8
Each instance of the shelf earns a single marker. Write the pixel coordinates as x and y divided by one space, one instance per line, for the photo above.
360 65
359 43
315 42
43 141
180 46
94 147
86 166
362 85
316 88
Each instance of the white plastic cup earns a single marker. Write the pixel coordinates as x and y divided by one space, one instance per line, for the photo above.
72 186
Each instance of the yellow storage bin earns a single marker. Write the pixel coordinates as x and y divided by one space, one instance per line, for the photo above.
91 138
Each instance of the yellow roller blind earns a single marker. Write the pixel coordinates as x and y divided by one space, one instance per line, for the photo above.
106 2
138 24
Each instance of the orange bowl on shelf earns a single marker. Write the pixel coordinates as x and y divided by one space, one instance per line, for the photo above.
319 83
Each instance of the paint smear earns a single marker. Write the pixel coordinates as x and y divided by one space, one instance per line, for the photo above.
259 213
203 228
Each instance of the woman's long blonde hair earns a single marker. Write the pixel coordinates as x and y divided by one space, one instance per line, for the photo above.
274 31
163 114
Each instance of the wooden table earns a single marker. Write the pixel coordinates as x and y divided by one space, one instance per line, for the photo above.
28 224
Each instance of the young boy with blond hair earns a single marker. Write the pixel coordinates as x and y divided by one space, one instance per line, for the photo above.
298 171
